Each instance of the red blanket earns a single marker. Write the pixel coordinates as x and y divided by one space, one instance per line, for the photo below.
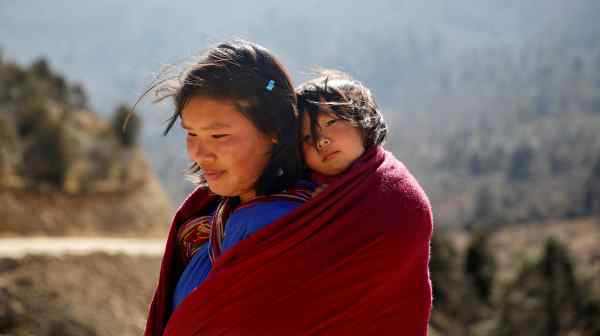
351 261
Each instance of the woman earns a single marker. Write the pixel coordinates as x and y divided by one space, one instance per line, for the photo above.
237 106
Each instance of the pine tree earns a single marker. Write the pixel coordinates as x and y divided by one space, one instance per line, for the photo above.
442 264
520 163
591 198
485 213
41 68
544 299
126 125
480 265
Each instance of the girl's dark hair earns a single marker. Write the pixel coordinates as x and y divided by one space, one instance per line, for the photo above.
348 99
252 78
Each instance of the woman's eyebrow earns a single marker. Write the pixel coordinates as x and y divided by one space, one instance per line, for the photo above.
213 126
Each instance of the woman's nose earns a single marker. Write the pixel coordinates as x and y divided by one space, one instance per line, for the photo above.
201 155
322 143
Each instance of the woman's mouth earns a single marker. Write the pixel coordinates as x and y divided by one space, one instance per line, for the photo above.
212 174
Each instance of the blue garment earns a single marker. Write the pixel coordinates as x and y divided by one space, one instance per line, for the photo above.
241 224
194 274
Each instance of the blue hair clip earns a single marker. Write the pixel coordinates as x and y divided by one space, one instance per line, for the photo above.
270 85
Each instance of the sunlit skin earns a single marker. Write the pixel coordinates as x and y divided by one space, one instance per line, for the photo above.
339 144
231 151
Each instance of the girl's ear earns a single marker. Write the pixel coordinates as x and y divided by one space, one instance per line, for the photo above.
274 140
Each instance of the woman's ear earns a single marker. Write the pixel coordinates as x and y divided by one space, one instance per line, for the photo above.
274 140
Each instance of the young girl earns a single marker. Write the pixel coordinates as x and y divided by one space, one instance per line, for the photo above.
341 126
340 119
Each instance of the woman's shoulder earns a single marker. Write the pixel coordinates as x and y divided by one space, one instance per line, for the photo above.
268 205
298 194
266 209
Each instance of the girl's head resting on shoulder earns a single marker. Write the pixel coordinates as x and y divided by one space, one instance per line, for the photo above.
340 120
238 107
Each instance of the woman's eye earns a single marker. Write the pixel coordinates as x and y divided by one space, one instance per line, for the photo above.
189 134
331 122
219 136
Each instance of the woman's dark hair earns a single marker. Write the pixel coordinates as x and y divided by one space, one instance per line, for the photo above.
348 99
252 78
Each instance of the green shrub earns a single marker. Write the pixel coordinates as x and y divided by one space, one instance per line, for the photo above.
32 116
46 158
9 143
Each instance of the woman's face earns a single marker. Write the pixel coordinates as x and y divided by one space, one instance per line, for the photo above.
231 151
339 143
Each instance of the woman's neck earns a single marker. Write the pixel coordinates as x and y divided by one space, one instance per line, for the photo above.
247 196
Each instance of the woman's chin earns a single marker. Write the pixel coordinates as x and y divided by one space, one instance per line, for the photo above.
222 190
216 190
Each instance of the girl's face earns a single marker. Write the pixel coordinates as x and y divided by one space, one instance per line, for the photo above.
231 151
339 143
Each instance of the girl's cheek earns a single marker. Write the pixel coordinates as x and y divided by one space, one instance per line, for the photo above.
306 149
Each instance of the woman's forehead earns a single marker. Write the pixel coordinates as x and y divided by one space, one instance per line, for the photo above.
209 113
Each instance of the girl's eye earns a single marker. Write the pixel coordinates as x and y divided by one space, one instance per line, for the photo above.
219 136
189 134
307 139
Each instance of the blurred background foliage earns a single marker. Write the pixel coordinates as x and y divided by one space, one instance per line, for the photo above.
53 142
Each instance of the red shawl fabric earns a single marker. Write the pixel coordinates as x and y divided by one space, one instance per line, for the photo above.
351 261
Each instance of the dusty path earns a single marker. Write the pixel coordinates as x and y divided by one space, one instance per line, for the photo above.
20 247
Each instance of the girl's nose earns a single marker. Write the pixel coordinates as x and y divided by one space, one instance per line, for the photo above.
322 143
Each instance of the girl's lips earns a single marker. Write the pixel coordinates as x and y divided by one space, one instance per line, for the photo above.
328 156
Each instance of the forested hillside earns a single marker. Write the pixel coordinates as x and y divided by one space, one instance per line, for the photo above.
65 170
518 142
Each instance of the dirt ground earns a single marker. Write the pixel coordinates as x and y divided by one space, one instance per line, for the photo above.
98 294
144 212
65 290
